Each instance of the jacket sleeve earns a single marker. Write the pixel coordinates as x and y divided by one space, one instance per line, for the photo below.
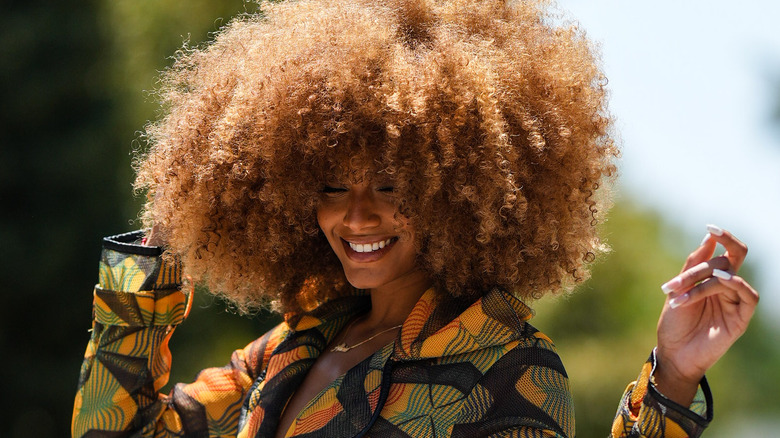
138 302
645 412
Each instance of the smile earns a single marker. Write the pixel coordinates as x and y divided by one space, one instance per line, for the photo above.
370 247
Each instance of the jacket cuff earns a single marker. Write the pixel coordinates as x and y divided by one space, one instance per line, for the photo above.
131 243
137 285
656 412
128 266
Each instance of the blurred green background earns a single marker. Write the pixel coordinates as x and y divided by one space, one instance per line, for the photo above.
72 76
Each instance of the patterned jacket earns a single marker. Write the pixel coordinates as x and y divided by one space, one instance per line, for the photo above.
453 371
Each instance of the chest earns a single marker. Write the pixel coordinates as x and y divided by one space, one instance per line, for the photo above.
326 373
377 397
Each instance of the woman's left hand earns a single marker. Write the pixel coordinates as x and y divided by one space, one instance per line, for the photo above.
707 309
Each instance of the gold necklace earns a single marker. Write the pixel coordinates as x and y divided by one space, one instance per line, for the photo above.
343 347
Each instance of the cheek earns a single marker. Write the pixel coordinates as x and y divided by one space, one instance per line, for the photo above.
324 218
325 222
329 211
319 218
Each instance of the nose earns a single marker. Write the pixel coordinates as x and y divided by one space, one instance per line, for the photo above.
361 211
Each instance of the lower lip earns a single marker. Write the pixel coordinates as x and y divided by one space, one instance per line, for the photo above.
365 257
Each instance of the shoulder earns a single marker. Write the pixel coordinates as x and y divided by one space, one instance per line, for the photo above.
533 369
527 387
531 361
535 349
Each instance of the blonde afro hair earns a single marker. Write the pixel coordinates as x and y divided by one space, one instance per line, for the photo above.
490 116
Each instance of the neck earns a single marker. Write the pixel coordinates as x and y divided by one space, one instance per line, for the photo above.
392 303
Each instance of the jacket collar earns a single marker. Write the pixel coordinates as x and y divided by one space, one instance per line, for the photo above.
439 329
435 327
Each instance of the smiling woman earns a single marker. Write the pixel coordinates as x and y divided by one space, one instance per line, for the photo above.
397 177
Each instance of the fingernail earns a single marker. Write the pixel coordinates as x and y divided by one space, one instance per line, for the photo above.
714 230
671 285
721 274
677 301
706 238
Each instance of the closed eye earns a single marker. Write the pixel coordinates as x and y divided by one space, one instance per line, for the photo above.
387 189
332 189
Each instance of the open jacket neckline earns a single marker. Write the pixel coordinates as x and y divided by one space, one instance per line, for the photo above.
435 328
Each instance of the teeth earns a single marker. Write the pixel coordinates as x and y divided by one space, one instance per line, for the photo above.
369 247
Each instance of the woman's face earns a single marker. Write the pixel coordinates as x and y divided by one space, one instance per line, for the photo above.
358 219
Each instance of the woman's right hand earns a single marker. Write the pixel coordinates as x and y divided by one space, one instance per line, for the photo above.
154 237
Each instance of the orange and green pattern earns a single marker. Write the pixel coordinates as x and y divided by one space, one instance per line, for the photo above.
645 412
453 371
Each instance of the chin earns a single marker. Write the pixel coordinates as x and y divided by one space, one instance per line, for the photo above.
363 281
362 284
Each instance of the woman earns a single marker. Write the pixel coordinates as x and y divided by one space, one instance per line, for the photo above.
397 177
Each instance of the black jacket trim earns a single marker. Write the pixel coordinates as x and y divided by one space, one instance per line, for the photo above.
129 243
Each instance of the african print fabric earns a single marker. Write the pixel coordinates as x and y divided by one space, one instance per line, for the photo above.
645 412
453 371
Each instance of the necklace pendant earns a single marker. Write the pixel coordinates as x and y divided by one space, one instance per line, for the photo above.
341 348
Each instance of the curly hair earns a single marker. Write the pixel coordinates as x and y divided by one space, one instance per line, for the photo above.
489 115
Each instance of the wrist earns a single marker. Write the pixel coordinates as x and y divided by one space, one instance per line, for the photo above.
670 381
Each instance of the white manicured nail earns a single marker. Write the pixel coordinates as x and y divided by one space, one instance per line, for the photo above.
671 285
706 239
721 274
677 301
714 230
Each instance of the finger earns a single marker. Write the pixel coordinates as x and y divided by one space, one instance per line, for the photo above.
736 250
153 237
701 254
703 290
745 291
692 276
731 287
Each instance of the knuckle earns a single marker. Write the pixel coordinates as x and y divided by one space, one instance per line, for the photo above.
721 262
752 293
710 283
